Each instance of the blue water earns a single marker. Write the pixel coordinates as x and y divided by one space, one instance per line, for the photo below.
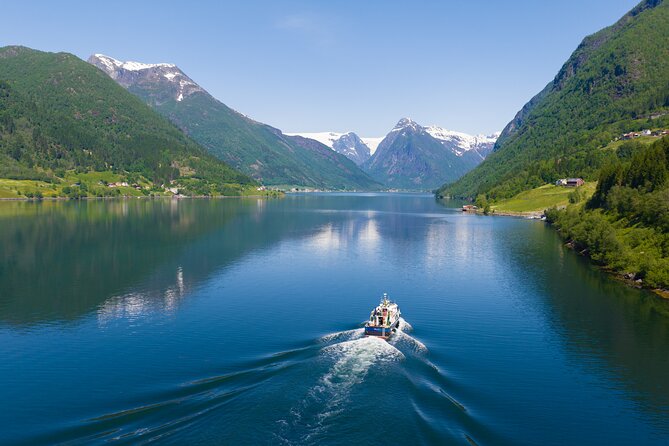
239 322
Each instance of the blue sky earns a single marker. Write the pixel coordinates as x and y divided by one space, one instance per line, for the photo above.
335 65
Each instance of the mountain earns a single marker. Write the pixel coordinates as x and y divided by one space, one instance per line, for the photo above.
348 144
415 157
58 113
616 81
473 148
256 149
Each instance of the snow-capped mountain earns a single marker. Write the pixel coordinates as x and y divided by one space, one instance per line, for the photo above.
172 80
348 144
257 149
327 138
460 143
416 157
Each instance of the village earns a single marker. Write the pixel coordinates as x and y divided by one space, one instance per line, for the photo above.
633 135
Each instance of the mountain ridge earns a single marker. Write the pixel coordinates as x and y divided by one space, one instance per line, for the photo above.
616 81
472 148
348 144
58 114
259 150
415 157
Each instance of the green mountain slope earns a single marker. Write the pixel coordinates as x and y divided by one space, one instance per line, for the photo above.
58 113
616 81
625 225
257 149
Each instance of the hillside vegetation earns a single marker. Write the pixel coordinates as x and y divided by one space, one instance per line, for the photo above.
259 150
616 81
625 225
60 116
544 197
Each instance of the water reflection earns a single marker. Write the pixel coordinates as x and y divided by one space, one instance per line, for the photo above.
203 319
602 323
60 260
135 305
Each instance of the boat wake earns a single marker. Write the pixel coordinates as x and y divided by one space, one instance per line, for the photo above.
405 326
335 368
351 356
351 362
340 336
402 339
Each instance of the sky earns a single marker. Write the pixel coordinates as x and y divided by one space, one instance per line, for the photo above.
313 66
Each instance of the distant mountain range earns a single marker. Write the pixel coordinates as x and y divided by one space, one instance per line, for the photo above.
411 156
415 157
257 149
349 144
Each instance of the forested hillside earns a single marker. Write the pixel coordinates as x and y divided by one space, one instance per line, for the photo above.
625 225
615 82
257 149
59 114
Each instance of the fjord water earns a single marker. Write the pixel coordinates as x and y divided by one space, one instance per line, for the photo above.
239 322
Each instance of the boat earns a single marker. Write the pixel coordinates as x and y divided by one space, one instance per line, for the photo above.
384 319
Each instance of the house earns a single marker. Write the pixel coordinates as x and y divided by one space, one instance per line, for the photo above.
646 133
575 182
561 182
469 208
119 184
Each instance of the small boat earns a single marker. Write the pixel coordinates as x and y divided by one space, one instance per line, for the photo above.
384 319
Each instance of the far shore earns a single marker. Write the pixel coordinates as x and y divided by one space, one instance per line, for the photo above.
142 197
528 214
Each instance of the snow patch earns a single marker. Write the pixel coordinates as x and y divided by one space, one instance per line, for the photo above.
463 142
372 143
110 62
327 138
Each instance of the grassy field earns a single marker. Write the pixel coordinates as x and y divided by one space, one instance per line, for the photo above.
18 188
94 184
647 140
541 198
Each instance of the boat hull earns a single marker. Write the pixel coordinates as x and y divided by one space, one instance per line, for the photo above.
382 332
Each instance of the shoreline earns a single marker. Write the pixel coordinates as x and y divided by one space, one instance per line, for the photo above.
619 276
129 197
536 215
531 215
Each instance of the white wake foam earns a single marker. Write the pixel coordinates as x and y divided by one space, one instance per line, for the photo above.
405 326
352 361
346 335
402 339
